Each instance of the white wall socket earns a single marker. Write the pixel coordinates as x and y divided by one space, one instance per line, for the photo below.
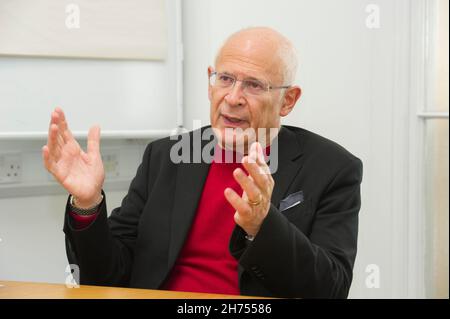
10 168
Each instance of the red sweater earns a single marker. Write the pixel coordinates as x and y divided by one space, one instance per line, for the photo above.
205 263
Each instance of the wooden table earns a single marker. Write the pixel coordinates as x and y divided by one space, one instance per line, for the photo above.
29 290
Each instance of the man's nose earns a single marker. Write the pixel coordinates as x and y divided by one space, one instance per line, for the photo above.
235 96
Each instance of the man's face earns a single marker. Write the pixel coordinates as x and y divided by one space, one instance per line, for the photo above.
232 108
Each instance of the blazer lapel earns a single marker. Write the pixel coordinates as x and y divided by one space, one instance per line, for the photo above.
289 163
190 180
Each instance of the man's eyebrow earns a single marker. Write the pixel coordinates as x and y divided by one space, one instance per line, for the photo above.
226 73
253 79
245 78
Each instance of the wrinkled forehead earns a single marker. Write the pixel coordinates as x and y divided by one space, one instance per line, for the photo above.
250 57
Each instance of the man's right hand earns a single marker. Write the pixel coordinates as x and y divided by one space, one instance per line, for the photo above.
80 173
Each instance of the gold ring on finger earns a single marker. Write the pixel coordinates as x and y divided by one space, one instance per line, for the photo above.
257 202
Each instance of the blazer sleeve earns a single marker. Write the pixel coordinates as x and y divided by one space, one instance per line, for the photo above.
104 250
290 264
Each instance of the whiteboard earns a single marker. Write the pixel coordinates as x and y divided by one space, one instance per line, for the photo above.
123 93
85 28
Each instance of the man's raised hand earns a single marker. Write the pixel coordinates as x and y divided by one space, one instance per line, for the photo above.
80 173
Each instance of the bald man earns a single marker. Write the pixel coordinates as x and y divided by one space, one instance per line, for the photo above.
239 226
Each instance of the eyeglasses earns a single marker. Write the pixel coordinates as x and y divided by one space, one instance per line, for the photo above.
249 86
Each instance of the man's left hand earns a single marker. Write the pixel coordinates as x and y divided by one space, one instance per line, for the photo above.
253 207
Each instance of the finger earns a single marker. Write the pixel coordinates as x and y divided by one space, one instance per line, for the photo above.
60 140
63 125
93 143
260 154
53 121
252 154
84 156
60 113
48 162
54 118
238 203
261 179
256 154
52 143
247 184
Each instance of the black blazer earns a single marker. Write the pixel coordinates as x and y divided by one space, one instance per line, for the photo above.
306 250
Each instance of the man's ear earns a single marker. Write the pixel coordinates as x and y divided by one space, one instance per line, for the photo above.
291 97
210 70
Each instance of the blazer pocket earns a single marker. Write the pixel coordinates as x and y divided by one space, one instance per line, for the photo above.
290 201
300 215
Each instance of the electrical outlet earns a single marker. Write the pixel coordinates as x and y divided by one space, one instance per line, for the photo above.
10 168
110 158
